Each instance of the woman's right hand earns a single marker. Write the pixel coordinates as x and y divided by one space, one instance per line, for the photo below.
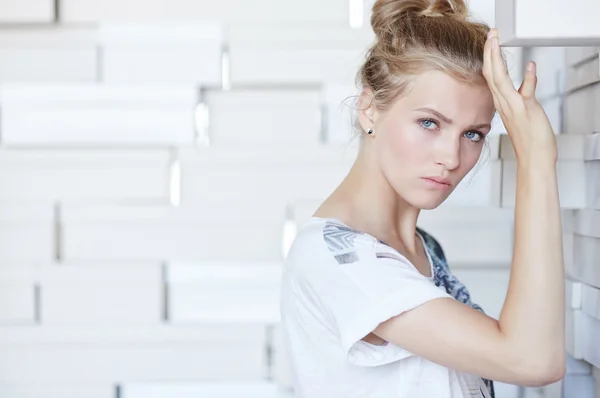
526 121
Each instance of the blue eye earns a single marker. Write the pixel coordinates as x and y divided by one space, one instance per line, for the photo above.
474 136
428 123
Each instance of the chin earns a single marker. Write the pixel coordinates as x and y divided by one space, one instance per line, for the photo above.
427 202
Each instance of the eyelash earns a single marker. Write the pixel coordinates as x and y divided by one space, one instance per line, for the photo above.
481 135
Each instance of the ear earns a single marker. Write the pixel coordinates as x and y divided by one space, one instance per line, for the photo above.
367 111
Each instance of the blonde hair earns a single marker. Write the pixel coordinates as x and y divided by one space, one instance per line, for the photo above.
413 36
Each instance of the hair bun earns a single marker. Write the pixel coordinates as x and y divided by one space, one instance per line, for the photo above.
387 13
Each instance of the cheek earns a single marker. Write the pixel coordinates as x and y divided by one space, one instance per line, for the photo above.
407 143
470 154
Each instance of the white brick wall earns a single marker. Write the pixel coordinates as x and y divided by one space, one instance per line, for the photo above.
157 156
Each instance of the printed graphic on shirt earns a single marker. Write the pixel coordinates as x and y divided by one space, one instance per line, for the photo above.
340 241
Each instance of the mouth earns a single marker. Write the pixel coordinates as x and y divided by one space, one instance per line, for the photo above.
437 183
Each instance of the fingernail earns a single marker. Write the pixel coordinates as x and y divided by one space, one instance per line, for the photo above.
530 66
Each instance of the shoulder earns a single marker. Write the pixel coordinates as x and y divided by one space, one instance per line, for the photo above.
331 239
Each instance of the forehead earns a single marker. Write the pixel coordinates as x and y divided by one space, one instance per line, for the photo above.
458 100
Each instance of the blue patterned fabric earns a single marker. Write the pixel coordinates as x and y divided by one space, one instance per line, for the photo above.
444 277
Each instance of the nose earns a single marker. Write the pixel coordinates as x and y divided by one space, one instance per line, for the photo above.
448 154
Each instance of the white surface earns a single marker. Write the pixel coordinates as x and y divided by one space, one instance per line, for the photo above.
580 114
590 301
583 74
487 287
454 227
161 53
586 252
212 232
550 70
197 389
266 118
48 54
102 363
275 54
26 11
577 55
574 333
592 170
564 24
52 390
17 295
26 232
282 176
340 105
97 115
93 175
101 294
259 11
224 293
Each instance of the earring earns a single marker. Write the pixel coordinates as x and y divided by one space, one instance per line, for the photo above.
369 131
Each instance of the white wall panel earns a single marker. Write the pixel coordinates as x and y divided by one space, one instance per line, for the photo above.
455 226
48 54
207 389
487 288
27 232
109 363
122 294
280 54
214 232
258 11
590 331
26 11
340 109
224 292
578 55
93 175
221 334
62 390
580 114
281 176
567 24
276 117
590 301
98 115
574 333
583 74
550 70
18 295
161 53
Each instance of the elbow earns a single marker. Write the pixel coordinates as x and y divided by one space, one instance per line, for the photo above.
543 374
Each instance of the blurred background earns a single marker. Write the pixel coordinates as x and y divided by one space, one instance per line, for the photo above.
157 157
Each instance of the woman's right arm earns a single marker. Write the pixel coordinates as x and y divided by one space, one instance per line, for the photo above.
526 346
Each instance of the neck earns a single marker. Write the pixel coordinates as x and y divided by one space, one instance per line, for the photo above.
366 201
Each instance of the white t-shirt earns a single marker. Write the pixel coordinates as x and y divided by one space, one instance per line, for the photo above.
338 285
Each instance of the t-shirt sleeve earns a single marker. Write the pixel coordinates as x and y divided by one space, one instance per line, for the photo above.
365 284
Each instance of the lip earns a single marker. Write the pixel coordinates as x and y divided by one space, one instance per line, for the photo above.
437 182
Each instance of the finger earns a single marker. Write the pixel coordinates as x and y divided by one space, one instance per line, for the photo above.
499 102
501 79
527 89
488 73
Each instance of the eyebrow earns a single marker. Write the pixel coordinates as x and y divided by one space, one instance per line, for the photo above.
447 120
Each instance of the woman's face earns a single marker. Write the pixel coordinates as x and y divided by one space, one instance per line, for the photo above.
431 137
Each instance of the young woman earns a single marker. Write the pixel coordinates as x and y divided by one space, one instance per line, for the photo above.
369 306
